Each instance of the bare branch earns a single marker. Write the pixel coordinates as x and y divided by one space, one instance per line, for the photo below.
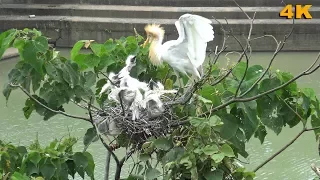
278 49
92 105
241 9
100 137
284 148
46 107
237 99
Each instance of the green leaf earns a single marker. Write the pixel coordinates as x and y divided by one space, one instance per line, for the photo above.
230 126
34 157
185 160
31 168
215 121
168 84
217 158
18 176
238 141
195 121
29 54
90 79
29 107
269 113
204 129
207 92
91 165
135 177
106 61
97 49
152 174
210 149
163 143
315 123
310 93
214 175
268 84
47 170
239 70
90 136
194 173
174 154
6 39
250 122
41 44
80 160
144 157
261 133
109 45
71 167
70 74
147 147
204 100
7 91
227 150
19 43
75 50
91 60
284 77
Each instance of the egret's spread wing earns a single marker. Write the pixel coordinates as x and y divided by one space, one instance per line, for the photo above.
197 31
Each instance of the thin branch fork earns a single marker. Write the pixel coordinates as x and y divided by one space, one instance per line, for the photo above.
237 99
304 129
284 148
46 107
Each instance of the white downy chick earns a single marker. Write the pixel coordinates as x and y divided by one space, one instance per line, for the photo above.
124 72
152 99
113 77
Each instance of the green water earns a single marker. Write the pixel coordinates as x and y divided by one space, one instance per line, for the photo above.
293 164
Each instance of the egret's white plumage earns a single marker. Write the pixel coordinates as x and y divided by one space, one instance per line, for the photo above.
187 53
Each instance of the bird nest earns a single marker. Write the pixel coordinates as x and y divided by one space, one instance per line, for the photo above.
115 120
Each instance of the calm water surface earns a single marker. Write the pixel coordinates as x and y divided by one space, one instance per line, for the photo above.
293 164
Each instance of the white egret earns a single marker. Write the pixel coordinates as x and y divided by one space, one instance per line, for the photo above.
187 53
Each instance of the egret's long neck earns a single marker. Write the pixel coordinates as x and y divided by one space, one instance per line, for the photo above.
156 50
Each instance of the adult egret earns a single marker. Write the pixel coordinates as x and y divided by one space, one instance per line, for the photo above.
187 53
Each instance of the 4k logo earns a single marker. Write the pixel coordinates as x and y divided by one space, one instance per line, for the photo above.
300 11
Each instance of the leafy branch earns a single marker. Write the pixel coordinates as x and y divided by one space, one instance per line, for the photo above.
46 107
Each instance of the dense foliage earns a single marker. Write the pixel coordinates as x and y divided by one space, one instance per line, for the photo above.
56 161
226 111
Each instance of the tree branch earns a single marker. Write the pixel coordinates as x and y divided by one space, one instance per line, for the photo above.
121 163
107 166
46 107
284 148
233 100
100 137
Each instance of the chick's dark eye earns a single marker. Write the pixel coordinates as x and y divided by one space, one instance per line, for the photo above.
133 59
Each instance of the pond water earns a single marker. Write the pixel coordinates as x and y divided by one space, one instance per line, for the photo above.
293 164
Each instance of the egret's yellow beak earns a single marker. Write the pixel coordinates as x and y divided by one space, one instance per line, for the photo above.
146 42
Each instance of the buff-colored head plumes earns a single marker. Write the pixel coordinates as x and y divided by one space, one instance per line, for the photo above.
155 34
155 30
